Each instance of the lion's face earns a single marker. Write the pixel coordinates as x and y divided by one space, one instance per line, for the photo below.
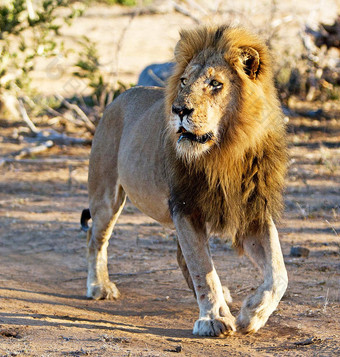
204 95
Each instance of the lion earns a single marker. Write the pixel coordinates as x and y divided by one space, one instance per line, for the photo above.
206 155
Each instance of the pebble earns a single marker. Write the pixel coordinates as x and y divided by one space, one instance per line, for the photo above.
299 252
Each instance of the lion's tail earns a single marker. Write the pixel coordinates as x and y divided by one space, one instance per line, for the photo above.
84 219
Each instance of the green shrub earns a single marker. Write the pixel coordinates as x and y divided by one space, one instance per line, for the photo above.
25 35
88 68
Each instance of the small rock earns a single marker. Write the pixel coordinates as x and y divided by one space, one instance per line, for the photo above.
314 113
299 252
107 338
177 349
11 332
309 341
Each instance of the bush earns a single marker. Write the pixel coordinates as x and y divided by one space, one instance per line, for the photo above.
88 68
26 34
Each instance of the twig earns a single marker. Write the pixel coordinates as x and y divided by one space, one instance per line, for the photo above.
53 111
326 302
26 118
332 228
242 290
154 76
197 6
185 12
113 75
88 123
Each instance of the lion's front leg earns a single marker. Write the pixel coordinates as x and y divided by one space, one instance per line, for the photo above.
215 318
265 252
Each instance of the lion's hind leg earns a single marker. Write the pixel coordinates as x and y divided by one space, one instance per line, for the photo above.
184 268
265 252
105 213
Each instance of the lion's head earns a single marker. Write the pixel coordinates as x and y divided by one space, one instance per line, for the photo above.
218 94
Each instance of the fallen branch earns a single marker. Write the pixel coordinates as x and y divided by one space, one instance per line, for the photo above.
55 161
61 139
27 152
46 135
34 149
45 139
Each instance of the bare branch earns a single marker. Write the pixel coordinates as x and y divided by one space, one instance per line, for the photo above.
34 150
88 123
27 152
26 118
185 12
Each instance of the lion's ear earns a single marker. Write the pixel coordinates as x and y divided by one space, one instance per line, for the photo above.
250 60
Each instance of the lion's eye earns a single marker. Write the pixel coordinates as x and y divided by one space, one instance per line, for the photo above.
184 82
215 84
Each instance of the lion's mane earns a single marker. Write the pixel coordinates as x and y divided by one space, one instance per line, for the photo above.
238 183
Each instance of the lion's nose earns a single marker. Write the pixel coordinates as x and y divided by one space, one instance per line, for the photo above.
181 111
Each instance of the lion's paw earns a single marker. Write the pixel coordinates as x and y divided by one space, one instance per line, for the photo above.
106 291
255 312
218 327
249 323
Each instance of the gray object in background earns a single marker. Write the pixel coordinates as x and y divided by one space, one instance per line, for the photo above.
155 75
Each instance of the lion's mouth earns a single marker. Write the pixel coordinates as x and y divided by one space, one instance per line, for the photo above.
201 139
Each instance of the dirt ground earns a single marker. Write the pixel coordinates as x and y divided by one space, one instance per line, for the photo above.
43 308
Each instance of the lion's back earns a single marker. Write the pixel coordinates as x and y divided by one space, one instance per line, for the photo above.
126 122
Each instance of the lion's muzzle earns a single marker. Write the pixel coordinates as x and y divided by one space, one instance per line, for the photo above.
201 139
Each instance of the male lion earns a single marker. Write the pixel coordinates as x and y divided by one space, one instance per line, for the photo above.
205 155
